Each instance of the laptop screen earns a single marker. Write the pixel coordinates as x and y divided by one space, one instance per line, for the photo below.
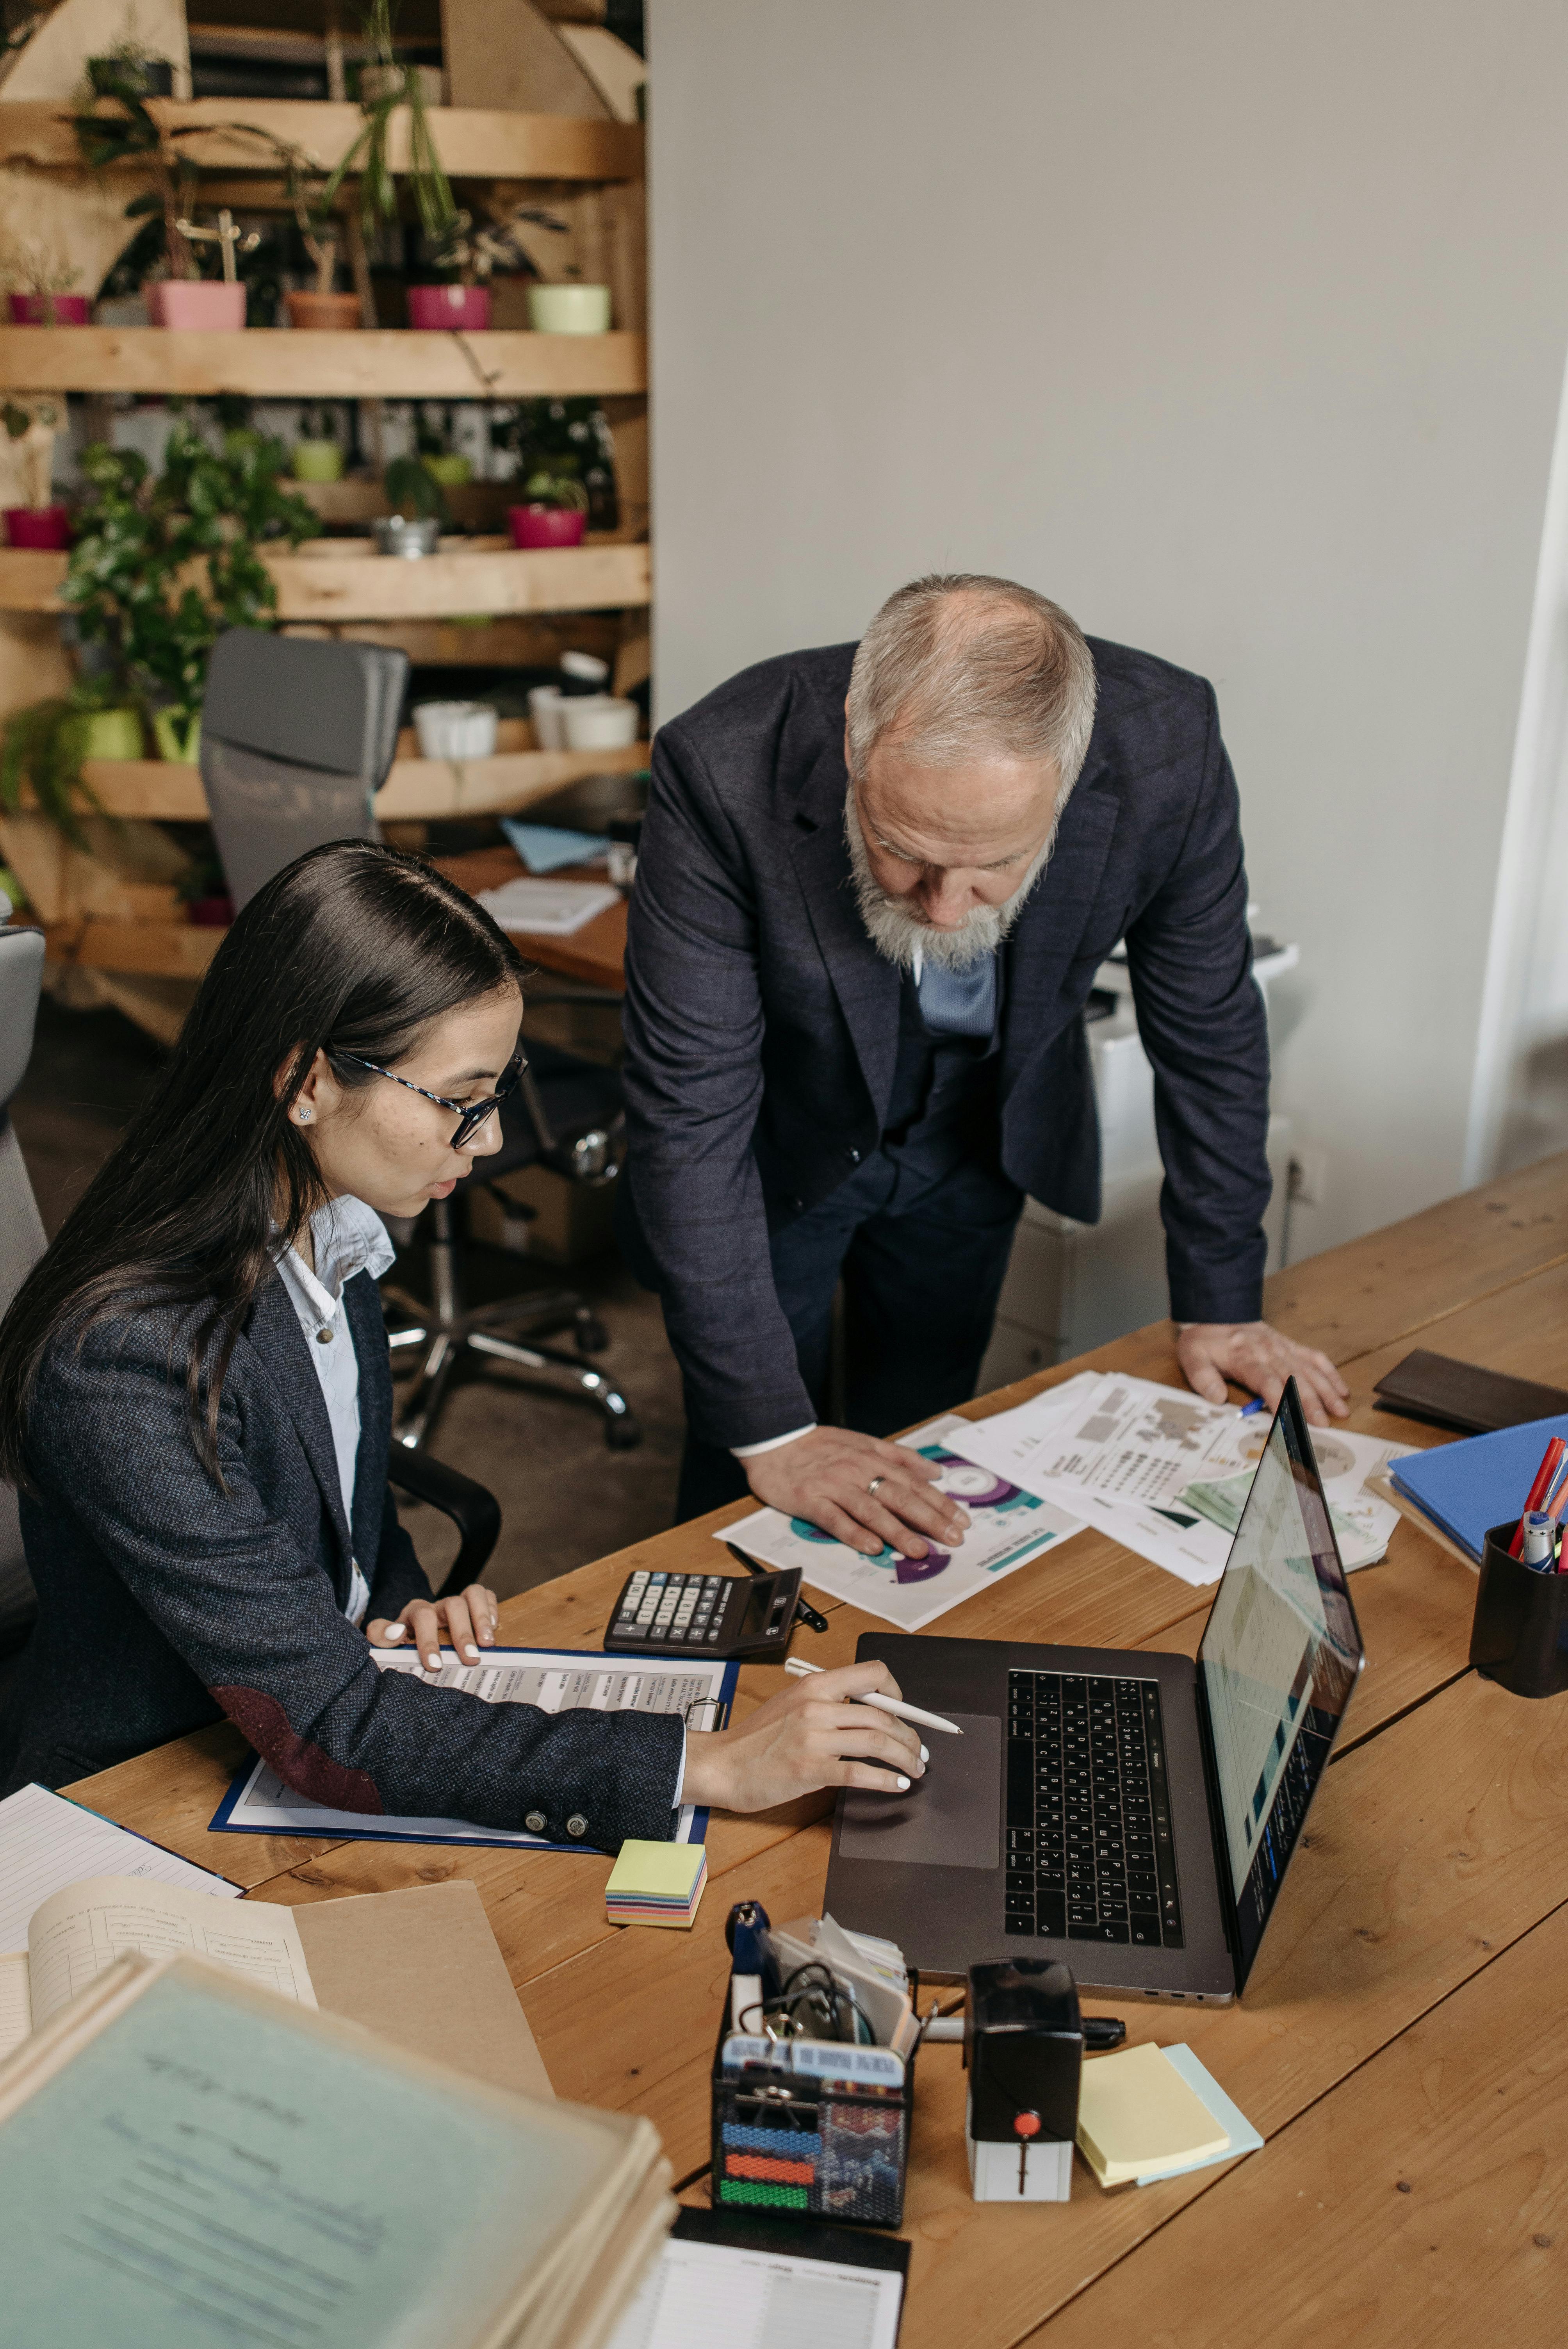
1280 1656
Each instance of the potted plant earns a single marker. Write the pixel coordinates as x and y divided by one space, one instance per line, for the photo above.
320 306
29 450
317 456
45 745
130 136
566 437
38 285
418 506
433 443
386 86
204 892
555 512
140 540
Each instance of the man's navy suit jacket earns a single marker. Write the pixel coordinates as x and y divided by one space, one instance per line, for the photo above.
762 1024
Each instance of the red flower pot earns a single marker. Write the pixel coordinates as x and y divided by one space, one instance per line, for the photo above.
468 306
546 525
211 912
34 309
48 529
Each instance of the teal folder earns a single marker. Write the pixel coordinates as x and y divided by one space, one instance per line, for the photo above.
1467 1487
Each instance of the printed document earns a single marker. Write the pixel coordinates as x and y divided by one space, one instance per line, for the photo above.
716 2296
1007 1526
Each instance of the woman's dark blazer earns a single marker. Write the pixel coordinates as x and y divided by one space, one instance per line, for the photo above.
165 1602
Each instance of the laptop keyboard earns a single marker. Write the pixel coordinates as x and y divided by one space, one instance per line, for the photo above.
1091 1856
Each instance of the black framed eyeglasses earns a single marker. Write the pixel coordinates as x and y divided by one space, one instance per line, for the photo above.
470 1115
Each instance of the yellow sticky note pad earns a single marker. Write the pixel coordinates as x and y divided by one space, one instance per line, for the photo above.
1136 2115
656 1883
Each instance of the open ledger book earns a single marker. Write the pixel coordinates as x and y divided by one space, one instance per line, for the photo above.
77 1933
185 2159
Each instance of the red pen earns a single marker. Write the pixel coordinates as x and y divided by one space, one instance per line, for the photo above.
1545 1476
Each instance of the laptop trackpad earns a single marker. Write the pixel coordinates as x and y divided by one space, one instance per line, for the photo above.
949 1819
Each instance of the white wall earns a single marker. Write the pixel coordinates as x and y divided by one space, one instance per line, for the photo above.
1239 328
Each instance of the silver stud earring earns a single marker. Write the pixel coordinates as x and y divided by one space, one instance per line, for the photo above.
303 1115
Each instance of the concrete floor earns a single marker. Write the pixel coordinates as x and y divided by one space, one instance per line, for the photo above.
565 1497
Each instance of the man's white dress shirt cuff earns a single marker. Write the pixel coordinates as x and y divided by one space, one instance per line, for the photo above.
680 1774
751 1450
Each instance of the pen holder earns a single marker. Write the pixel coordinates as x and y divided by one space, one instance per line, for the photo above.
1519 1635
806 2148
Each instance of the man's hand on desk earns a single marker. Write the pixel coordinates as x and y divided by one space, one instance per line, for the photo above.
807 1737
827 1477
1256 1355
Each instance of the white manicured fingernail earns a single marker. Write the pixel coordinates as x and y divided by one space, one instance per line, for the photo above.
924 1755
396 1631
433 1660
903 1786
472 1653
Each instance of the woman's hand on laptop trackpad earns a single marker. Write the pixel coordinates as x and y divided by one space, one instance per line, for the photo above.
807 1737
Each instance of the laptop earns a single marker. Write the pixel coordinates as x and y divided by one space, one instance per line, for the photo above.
1129 1813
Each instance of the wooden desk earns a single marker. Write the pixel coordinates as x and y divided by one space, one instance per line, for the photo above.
595 955
1403 2046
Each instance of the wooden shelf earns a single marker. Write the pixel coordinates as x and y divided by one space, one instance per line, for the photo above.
277 363
416 789
472 142
365 587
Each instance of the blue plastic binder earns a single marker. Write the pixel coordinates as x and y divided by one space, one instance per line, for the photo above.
1483 1481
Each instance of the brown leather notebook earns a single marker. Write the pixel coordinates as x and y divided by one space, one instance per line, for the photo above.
1462 1395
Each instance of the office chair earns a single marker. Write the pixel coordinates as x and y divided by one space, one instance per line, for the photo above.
565 1114
21 1243
297 737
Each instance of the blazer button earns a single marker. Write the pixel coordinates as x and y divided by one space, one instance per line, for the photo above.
534 1823
799 1206
577 1824
853 1156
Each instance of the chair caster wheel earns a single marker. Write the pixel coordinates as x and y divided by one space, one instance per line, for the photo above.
590 1334
623 1434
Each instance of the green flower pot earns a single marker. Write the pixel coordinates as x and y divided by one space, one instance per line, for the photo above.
317 461
449 471
180 745
113 734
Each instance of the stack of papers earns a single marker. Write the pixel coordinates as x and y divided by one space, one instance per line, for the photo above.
549 909
1151 2111
545 847
1165 1473
656 1884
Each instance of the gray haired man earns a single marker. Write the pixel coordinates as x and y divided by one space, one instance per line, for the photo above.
875 886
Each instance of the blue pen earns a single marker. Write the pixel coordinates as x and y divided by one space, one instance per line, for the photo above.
1248 1407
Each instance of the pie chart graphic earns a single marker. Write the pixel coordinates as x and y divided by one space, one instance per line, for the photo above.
979 1488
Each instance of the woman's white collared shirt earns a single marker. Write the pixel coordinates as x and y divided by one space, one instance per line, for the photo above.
347 1237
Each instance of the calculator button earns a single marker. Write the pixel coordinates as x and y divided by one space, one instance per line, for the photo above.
712 1635
631 1631
658 1578
711 1581
657 1632
639 1580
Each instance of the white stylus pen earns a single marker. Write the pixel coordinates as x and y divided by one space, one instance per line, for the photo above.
798 1666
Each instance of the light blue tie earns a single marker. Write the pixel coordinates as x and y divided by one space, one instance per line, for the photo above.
959 1003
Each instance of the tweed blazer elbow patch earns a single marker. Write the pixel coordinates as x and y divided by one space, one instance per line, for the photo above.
168 1601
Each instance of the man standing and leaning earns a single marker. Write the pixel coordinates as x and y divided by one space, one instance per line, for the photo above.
874 887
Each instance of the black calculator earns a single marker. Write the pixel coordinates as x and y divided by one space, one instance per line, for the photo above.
705 1614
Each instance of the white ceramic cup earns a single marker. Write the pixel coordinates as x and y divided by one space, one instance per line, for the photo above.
455 729
598 721
545 704
569 309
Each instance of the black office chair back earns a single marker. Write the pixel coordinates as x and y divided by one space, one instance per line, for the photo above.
297 737
21 1232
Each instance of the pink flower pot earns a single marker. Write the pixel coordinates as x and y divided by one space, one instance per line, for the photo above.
205 305
546 525
47 530
468 306
211 912
35 309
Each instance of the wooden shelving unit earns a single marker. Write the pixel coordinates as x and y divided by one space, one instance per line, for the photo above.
472 142
476 600
360 585
271 363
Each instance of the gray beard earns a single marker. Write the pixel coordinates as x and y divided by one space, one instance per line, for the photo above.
899 935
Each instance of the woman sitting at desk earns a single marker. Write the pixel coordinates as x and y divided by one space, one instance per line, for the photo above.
196 1403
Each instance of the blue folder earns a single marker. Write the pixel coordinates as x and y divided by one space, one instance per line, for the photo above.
1467 1487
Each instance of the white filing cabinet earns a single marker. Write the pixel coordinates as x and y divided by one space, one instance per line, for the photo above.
1072 1286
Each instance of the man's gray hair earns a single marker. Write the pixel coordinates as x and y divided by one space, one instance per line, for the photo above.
960 666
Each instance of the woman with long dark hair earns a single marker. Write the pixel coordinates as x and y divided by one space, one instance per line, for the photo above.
196 1404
